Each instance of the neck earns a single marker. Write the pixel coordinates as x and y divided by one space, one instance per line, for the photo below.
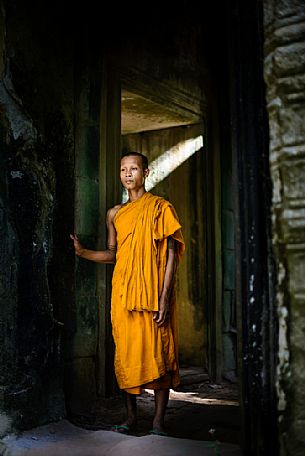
136 194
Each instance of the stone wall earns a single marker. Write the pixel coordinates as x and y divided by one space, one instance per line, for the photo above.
285 80
37 160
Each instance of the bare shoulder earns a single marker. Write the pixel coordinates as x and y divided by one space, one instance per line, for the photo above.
111 213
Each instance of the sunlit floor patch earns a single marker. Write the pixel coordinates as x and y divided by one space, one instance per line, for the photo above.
195 398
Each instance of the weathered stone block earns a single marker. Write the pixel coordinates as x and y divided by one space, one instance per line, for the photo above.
286 8
293 173
289 59
291 84
290 33
297 335
293 225
292 123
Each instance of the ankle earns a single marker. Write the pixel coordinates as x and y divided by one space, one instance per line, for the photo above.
131 421
158 425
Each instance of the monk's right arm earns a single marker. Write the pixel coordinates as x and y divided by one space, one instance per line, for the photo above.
100 256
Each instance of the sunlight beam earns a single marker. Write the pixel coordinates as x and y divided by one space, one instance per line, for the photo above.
166 163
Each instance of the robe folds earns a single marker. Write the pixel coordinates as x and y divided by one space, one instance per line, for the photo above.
145 354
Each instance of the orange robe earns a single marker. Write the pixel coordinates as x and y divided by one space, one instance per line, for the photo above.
145 354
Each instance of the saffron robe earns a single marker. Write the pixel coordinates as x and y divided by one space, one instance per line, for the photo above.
145 354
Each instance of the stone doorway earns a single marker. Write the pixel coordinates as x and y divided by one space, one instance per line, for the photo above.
174 147
153 128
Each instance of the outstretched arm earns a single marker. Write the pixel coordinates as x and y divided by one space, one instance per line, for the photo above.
162 316
99 256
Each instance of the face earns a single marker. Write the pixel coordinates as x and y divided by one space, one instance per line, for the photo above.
132 173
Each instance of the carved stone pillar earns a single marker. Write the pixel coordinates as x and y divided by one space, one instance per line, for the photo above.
285 78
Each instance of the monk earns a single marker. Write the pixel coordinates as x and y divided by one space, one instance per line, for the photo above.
145 243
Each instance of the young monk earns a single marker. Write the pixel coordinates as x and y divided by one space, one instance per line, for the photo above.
145 243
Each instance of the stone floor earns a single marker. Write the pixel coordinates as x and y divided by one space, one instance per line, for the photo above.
65 439
202 419
198 410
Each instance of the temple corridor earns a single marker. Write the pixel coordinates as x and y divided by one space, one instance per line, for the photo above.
214 96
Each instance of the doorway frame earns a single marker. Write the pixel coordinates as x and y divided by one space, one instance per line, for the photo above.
255 266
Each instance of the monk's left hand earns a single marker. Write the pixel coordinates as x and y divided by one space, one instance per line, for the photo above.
162 317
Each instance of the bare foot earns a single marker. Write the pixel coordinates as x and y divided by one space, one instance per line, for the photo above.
154 431
158 428
126 427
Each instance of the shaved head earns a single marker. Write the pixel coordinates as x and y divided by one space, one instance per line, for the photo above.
137 154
